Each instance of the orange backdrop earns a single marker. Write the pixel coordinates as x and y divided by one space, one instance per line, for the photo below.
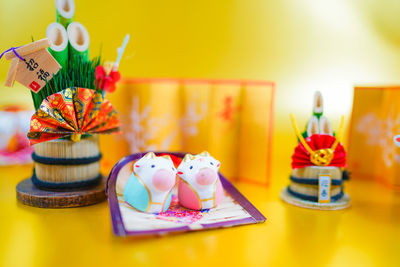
231 119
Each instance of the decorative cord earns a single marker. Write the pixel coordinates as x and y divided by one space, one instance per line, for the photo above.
49 185
311 181
65 161
15 52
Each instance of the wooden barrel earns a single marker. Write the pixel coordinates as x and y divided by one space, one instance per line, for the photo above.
304 182
67 164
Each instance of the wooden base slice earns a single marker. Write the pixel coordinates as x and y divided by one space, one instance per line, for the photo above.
29 194
341 203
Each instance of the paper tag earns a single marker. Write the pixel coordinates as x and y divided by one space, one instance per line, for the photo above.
38 67
324 188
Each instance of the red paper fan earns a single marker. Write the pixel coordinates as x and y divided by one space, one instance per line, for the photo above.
301 157
72 111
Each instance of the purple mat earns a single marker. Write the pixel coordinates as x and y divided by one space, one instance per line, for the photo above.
116 216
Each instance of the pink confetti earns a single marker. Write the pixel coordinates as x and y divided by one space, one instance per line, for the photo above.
180 214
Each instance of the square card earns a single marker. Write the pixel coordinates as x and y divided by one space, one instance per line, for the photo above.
234 210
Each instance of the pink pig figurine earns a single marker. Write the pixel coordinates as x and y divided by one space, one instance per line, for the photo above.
199 185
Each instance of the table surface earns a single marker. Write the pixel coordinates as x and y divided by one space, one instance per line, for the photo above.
366 234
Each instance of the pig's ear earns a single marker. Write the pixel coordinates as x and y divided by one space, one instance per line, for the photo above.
167 157
218 164
188 157
150 155
204 154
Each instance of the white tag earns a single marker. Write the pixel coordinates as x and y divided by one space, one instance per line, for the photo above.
324 188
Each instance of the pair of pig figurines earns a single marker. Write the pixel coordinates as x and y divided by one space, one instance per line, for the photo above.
149 187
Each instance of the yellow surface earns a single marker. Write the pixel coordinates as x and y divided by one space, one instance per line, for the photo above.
303 46
366 234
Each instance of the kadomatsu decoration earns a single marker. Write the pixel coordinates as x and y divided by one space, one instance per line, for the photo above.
318 165
71 111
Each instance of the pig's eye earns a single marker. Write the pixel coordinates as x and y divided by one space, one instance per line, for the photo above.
191 167
211 163
153 166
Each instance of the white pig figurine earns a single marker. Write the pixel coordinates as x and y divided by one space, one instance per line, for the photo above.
148 189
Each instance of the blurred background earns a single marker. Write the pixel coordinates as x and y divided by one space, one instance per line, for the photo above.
301 46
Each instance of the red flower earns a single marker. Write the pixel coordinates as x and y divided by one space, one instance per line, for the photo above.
106 82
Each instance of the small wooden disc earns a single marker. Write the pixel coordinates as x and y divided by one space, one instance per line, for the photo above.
29 194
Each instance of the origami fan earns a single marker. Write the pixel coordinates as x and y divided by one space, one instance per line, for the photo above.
319 142
72 112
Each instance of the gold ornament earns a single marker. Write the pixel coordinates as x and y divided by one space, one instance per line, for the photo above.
320 157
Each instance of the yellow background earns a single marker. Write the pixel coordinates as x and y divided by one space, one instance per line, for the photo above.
302 45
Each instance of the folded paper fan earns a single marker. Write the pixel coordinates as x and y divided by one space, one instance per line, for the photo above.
301 157
73 112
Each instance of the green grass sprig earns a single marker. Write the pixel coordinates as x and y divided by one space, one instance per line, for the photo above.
78 73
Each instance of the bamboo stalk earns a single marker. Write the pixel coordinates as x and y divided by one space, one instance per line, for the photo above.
57 35
65 11
79 40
